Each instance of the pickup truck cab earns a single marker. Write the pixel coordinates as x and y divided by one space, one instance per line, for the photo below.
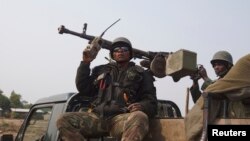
40 123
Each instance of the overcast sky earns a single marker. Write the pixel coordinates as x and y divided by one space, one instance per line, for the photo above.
36 61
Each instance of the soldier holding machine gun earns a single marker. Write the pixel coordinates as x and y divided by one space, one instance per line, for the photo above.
124 94
158 58
124 97
222 62
195 89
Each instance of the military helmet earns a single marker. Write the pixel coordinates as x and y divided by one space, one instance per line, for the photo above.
120 42
222 56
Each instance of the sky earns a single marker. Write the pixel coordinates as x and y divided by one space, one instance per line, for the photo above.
38 62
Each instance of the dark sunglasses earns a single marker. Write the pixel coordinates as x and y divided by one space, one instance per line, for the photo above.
123 49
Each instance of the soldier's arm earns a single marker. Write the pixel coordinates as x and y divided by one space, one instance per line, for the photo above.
84 81
206 83
148 98
195 91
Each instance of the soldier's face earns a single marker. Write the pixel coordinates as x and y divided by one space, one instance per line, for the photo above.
121 54
219 68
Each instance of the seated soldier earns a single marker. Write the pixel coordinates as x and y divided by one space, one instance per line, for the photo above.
124 97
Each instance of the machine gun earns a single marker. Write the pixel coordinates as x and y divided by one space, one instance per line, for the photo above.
176 64
106 44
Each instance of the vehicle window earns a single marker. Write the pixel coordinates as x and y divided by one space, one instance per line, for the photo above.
37 124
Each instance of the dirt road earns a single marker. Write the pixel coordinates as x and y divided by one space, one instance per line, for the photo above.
10 126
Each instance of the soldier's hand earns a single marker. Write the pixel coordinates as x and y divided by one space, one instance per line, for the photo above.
202 71
135 107
195 77
91 51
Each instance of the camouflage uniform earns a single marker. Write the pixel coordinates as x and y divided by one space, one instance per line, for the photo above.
129 126
107 85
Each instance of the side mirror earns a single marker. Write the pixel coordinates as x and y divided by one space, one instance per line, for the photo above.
7 137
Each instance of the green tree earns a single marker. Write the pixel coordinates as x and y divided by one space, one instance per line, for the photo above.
4 104
26 104
15 100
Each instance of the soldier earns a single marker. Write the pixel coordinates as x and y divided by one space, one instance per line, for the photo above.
235 86
222 62
124 97
236 79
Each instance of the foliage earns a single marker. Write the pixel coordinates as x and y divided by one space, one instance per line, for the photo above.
26 104
4 104
15 100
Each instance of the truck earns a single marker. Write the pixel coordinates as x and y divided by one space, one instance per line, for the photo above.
40 123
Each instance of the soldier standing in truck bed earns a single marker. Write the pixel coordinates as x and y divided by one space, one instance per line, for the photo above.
222 62
235 86
124 97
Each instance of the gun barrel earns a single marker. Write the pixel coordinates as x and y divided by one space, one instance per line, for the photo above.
62 30
107 44
141 54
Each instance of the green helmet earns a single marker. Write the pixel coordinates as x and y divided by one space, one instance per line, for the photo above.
119 42
222 56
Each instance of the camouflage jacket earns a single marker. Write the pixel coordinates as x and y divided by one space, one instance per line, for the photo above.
108 83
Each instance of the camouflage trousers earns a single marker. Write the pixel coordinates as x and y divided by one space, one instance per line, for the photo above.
76 126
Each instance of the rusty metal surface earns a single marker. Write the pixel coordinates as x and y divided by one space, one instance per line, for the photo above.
166 130
243 121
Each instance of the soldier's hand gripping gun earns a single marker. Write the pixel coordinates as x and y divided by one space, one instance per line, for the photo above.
196 75
147 57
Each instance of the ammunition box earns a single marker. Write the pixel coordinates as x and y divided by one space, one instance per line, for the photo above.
181 63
